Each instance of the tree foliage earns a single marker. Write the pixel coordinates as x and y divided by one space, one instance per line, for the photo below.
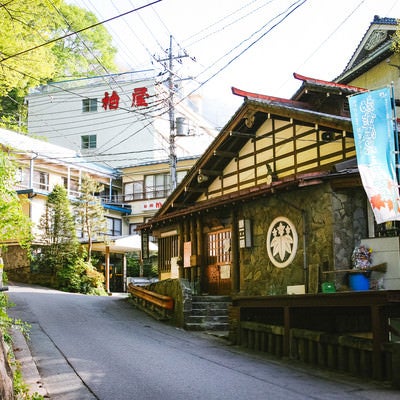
89 213
14 224
396 39
28 25
60 243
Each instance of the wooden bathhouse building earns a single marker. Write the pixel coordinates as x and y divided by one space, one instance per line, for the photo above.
274 209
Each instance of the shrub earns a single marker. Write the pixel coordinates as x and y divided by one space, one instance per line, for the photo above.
81 277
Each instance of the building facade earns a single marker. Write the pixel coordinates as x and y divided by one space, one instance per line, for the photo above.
118 120
280 182
41 166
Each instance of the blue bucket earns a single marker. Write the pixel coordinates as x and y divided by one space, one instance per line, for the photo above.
358 281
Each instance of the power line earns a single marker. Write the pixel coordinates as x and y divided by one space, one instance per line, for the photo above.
78 31
293 7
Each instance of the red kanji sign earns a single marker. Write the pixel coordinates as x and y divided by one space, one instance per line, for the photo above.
139 96
110 102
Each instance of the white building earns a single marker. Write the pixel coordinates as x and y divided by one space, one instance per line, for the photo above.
43 165
118 120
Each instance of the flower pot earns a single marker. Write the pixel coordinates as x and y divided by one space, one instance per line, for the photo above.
328 287
358 281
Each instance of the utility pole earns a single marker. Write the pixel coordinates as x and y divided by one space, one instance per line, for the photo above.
171 112
172 147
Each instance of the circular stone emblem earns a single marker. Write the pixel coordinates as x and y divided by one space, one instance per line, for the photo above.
281 242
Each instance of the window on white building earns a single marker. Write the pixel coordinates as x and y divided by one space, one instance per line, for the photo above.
114 226
41 180
133 191
89 105
88 141
157 186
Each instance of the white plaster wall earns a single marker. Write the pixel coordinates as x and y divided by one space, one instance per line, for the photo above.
386 250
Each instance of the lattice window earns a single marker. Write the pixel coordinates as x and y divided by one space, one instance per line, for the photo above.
219 247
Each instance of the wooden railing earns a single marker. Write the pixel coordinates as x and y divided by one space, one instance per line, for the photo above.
348 331
157 305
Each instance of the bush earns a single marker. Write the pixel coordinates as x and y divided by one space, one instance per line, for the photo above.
81 277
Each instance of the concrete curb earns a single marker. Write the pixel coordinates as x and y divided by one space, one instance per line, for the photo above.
29 370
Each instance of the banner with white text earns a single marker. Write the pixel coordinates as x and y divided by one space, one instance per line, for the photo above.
373 127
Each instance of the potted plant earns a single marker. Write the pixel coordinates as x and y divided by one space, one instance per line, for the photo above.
361 268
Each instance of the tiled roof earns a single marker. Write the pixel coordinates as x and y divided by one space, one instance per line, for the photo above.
385 20
328 84
272 99
361 56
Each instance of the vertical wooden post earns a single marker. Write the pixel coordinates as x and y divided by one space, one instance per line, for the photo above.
124 288
181 238
107 269
286 331
200 252
235 254
380 334
193 240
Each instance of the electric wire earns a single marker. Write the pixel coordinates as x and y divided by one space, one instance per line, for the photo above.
220 70
76 32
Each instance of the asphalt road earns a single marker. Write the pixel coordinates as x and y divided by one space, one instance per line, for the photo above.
88 347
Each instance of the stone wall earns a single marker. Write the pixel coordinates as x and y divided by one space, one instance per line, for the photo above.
6 375
350 226
179 290
328 225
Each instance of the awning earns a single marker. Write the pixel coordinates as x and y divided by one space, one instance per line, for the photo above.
124 244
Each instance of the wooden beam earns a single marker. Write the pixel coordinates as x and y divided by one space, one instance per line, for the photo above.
226 154
210 172
195 189
181 205
242 134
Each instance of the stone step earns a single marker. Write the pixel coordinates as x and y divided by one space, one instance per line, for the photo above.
209 326
210 306
207 318
208 311
212 299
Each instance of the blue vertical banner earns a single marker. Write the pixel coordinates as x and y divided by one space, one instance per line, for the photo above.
372 117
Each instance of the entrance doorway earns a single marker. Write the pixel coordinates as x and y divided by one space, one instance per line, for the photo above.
219 262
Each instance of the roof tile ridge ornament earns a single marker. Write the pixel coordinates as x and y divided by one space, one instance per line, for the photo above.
328 83
258 96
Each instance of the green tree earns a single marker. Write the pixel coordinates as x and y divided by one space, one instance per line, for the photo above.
27 25
14 224
396 39
60 243
89 213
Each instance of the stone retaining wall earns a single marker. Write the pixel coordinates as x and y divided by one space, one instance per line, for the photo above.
6 374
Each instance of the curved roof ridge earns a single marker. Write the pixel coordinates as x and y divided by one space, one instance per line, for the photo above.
258 96
328 83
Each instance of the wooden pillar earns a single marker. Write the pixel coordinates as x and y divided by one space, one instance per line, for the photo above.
181 237
380 335
124 288
286 331
186 238
107 269
201 270
193 241
235 254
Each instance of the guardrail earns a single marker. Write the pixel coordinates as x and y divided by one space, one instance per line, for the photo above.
153 303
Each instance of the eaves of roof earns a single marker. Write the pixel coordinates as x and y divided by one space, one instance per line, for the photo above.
210 161
327 86
263 190
366 64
